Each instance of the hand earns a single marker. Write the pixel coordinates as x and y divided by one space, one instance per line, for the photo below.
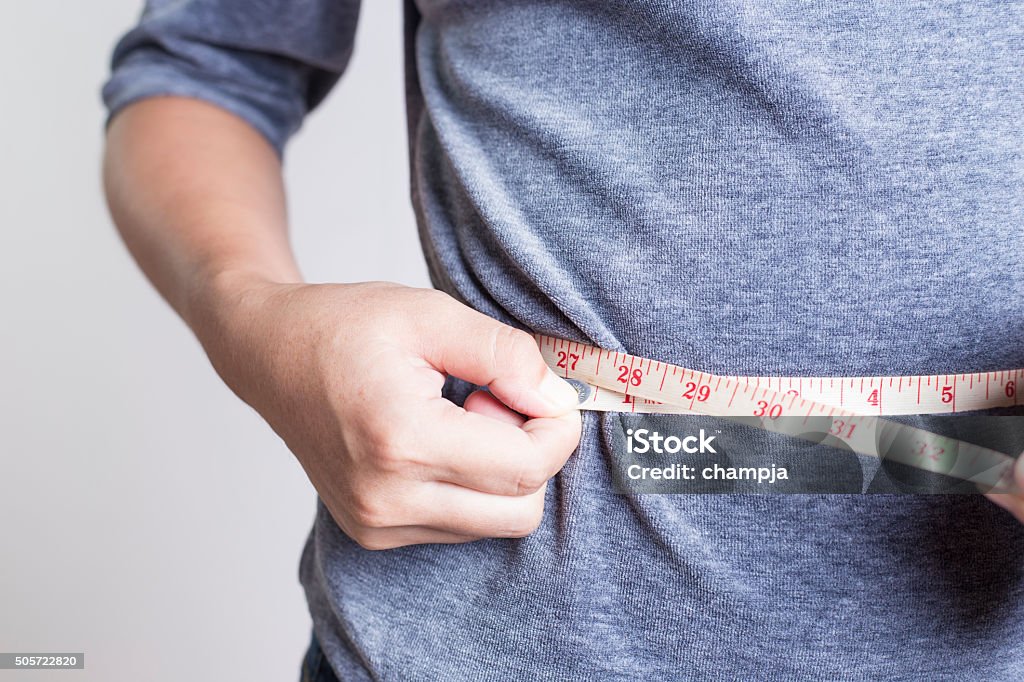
350 377
1013 502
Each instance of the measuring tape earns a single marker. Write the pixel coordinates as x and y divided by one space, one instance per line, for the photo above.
838 411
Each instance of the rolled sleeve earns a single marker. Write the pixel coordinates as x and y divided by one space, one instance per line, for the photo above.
269 62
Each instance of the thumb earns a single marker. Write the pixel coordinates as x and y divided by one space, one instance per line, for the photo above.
1018 475
1014 479
483 351
1012 501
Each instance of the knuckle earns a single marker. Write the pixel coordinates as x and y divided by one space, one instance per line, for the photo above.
527 521
558 442
369 513
391 447
511 346
429 297
575 420
570 439
372 540
531 478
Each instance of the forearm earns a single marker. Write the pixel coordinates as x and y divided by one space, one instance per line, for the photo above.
198 198
350 376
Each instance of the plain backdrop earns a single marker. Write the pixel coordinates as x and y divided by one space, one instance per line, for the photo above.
147 517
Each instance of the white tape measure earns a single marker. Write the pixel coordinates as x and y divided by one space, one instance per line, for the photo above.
835 410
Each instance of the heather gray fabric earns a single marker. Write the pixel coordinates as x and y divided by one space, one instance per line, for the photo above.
740 187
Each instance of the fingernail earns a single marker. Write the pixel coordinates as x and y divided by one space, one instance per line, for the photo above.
559 393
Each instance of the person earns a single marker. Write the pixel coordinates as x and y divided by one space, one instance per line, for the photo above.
745 188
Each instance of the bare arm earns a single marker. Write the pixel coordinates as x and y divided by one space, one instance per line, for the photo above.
197 196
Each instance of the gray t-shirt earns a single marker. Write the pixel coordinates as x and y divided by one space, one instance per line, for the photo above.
784 188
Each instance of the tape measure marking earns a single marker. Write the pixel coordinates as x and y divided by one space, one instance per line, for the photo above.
878 395
623 386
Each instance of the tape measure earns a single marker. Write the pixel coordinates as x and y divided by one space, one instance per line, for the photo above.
838 411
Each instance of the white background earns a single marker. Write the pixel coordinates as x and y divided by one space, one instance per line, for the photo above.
148 517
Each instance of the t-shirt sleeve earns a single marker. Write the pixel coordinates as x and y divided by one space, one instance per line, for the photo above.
268 61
